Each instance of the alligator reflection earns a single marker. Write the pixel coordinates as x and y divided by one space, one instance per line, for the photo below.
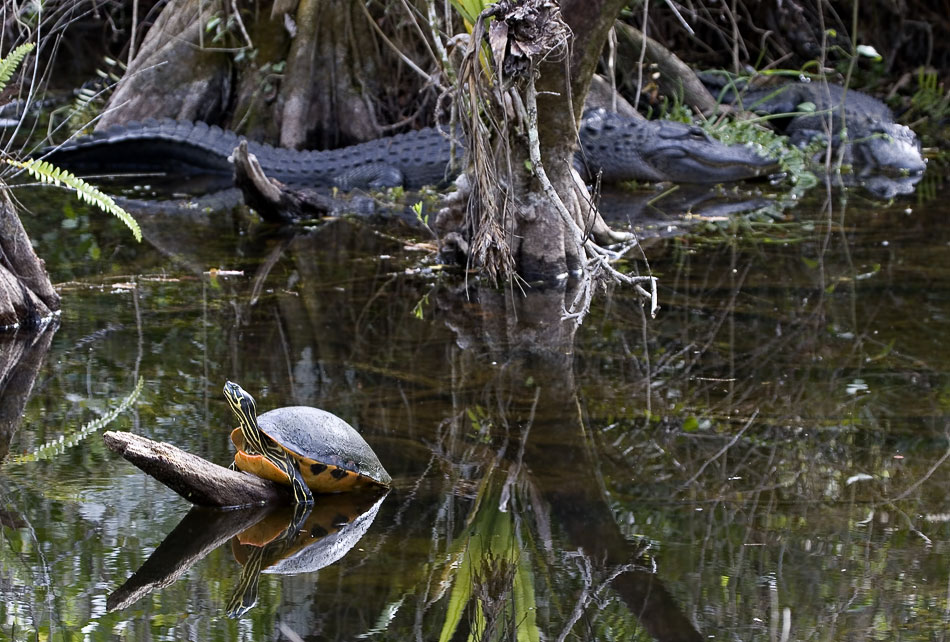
265 539
673 210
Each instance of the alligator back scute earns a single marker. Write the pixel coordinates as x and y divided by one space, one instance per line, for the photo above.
610 146
150 146
420 158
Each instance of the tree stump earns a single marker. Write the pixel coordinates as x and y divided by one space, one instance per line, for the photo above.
26 295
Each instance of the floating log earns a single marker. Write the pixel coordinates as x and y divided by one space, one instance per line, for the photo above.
201 482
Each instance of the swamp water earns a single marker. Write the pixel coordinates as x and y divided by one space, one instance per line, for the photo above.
767 459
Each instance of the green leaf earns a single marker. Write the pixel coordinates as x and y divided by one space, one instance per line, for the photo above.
9 64
46 172
525 605
470 9
807 107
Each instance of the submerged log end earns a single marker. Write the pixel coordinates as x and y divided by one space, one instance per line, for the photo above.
272 200
198 480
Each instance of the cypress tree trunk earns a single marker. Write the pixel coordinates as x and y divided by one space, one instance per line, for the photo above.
299 74
527 211
26 294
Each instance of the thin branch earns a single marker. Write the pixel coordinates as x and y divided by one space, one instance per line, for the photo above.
722 451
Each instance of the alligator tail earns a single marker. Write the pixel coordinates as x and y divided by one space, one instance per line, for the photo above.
165 146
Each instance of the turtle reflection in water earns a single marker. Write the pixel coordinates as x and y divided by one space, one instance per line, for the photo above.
306 448
302 542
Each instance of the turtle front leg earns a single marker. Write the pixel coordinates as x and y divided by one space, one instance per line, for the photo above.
302 494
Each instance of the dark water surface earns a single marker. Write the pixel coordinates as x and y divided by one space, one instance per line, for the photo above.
768 459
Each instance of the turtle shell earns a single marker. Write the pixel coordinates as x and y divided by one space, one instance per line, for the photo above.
331 456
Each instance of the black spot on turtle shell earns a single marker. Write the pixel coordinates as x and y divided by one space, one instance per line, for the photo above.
338 473
316 469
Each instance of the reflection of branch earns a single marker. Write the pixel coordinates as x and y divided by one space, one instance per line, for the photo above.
587 593
200 532
926 476
514 470
722 451
910 524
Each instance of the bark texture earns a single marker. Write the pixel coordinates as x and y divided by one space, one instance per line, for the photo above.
332 71
297 74
175 73
26 294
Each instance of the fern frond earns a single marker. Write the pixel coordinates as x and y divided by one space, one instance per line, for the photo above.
48 173
9 64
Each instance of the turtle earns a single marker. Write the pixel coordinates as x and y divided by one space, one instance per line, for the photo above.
306 448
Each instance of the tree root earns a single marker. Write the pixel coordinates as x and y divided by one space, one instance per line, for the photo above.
597 264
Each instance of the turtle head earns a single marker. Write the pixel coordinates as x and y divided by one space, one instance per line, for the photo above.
241 401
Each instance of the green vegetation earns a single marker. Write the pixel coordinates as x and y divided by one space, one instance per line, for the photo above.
47 173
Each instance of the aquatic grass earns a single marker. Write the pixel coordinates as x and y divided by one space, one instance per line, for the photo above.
491 576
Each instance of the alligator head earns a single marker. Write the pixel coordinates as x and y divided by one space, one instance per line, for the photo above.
889 147
663 150
872 147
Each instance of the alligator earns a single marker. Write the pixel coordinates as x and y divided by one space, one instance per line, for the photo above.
619 147
873 142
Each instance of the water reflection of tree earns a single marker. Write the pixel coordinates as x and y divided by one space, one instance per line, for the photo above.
728 433
796 425
524 539
539 551
743 519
